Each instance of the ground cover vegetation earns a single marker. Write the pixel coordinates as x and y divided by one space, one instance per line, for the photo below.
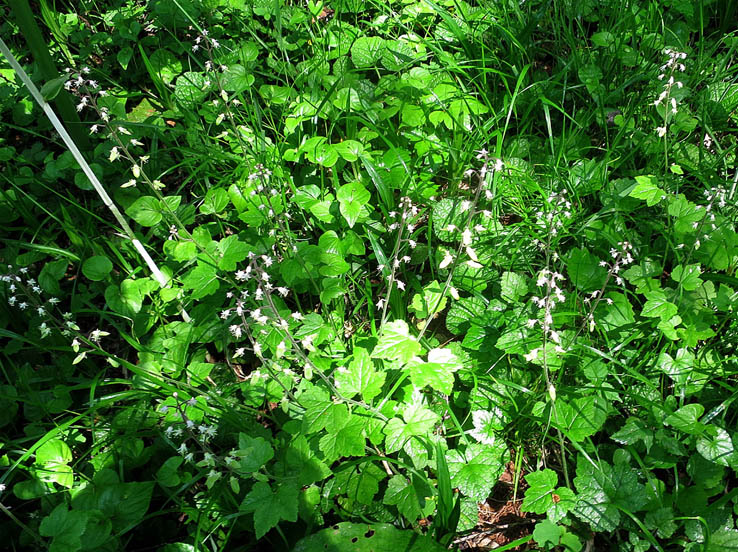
383 275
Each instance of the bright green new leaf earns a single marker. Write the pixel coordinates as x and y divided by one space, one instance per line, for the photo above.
716 446
396 343
417 422
437 373
687 276
351 199
361 377
647 190
513 286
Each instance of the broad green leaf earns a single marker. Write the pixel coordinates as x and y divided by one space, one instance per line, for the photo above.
402 493
270 507
584 270
417 422
634 430
165 64
431 302
513 286
647 189
216 199
167 475
65 527
543 497
581 417
252 454
52 459
360 483
396 343
361 377
202 280
687 215
366 51
351 198
716 446
477 469
464 312
237 79
437 372
547 534
657 306
232 251
448 218
145 210
344 434
364 537
686 419
97 268
316 402
687 276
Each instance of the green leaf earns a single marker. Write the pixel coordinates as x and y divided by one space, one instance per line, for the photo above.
51 89
351 198
65 527
418 422
657 306
542 497
547 534
270 507
686 419
464 312
647 190
145 210
716 446
233 251
237 79
448 219
202 280
402 493
430 303
437 373
361 377
477 470
687 276
366 51
584 270
167 475
316 402
216 199
580 418
364 537
252 454
513 286
97 268
396 343
52 459
633 431
344 434
686 215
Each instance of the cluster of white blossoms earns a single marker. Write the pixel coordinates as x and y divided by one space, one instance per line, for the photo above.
468 207
25 294
405 222
554 295
192 433
559 209
89 93
670 74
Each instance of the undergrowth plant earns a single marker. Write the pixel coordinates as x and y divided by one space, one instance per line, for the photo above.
415 274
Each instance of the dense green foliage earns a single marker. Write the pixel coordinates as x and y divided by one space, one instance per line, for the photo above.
404 247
